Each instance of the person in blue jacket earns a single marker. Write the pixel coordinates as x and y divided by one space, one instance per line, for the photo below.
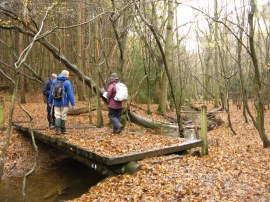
46 92
61 106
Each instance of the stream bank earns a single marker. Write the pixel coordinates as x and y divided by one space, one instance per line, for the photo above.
56 177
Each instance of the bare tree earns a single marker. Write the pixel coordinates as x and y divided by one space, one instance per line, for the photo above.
257 79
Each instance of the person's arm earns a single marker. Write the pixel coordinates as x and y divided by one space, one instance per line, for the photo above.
70 94
50 100
110 91
46 88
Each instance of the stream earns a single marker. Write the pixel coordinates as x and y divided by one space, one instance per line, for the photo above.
67 179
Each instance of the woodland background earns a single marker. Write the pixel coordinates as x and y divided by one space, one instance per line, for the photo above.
220 54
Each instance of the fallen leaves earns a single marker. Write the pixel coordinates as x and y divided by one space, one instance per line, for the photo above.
99 140
236 169
228 173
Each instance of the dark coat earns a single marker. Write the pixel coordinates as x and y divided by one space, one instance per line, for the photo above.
46 88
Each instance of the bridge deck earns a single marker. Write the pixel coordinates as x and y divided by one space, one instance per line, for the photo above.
104 148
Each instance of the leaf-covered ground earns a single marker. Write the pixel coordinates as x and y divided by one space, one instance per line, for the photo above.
236 169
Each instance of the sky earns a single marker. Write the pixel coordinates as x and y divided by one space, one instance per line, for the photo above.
186 14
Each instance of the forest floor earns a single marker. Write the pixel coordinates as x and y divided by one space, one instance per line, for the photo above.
236 169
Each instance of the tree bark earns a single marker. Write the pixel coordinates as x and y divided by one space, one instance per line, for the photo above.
257 80
216 60
22 78
80 47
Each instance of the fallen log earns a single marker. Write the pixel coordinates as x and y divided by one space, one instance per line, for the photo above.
78 111
83 110
148 123
171 119
153 124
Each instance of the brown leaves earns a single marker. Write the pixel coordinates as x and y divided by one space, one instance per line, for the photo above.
236 169
101 141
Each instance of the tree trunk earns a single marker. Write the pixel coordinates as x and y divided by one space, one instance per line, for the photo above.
163 93
169 53
22 78
239 64
257 80
80 50
96 72
216 61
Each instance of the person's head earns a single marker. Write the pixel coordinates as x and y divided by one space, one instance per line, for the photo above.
65 73
114 76
53 76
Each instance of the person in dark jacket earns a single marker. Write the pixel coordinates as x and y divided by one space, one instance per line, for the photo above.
115 107
46 91
61 106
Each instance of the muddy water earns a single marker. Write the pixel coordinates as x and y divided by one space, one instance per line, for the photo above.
67 179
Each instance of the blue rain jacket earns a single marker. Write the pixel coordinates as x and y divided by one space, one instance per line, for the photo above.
68 93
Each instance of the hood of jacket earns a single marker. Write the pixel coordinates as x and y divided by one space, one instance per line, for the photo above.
61 77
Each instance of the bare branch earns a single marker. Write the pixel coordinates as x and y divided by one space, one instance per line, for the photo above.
7 76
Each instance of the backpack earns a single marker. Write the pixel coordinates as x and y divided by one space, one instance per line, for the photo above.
121 92
58 91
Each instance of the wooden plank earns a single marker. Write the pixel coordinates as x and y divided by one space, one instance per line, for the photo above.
62 144
158 152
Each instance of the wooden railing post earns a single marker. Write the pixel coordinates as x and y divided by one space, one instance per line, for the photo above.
2 113
204 130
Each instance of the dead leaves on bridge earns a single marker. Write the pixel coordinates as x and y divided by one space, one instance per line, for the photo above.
127 143
102 141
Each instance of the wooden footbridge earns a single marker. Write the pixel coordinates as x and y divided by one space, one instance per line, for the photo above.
107 162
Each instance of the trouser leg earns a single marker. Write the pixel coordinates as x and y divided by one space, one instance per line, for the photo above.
61 117
52 115
119 116
63 120
57 112
58 126
115 116
63 127
49 115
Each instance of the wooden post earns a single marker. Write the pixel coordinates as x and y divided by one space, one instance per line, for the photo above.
2 113
204 130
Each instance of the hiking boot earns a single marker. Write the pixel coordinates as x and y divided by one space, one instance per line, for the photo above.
51 126
58 130
117 131
63 130
121 126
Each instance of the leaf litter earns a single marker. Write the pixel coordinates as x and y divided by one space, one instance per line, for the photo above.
236 169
